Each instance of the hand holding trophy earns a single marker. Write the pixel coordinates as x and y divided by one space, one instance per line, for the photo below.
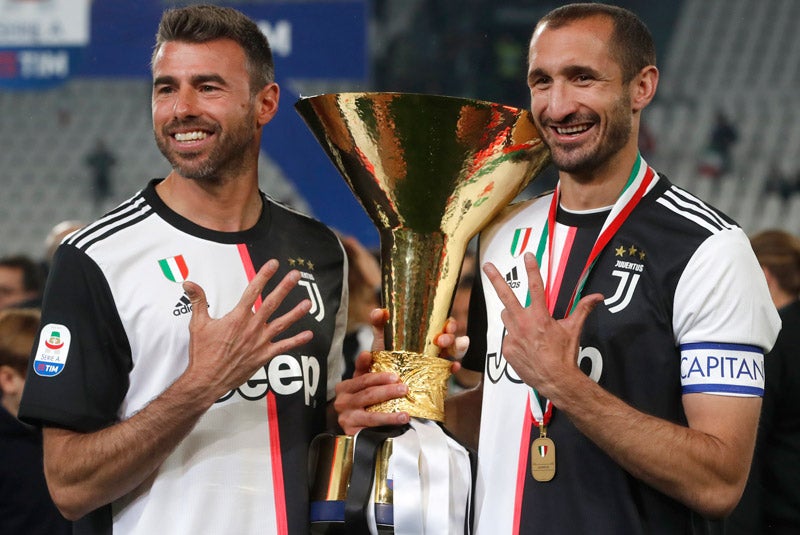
431 172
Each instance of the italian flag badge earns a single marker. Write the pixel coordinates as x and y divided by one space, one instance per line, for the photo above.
520 241
174 268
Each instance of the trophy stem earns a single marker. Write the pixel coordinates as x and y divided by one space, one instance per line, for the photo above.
419 277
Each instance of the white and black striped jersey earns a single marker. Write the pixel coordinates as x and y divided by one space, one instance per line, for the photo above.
115 335
686 310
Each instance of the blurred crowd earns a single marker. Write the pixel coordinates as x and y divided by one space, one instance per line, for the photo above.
25 503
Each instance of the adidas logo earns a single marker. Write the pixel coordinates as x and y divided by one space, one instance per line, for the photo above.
512 279
183 306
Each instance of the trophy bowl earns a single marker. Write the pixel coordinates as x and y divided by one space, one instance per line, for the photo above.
430 171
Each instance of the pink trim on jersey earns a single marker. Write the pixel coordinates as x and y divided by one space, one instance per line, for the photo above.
277 465
522 465
249 269
552 296
272 421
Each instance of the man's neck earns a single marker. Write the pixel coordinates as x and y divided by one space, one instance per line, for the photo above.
230 206
598 188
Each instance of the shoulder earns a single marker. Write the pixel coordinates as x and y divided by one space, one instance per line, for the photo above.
124 219
679 209
283 215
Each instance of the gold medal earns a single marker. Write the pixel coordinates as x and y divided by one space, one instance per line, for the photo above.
543 457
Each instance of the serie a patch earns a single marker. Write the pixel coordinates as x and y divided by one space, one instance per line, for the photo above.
52 351
730 369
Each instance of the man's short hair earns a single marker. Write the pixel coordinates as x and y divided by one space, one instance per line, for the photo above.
204 23
32 273
18 329
631 41
779 251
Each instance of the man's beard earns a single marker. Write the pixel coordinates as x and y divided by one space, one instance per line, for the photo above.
581 160
230 155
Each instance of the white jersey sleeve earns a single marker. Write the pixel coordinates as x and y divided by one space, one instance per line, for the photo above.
723 319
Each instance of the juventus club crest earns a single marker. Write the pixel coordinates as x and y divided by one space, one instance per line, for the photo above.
628 268
309 282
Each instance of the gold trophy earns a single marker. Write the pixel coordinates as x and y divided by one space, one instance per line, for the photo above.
431 172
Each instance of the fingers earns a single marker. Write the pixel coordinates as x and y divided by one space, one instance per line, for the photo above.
450 326
450 344
353 396
283 322
253 290
372 388
197 296
583 309
273 299
379 317
535 282
461 346
278 347
362 364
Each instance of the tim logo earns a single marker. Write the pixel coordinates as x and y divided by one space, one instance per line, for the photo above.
308 282
627 270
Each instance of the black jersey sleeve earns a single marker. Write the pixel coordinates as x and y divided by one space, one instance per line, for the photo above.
86 393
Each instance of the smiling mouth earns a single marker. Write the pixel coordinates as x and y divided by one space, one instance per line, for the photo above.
571 130
190 136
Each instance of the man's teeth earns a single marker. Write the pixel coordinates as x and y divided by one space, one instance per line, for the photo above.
190 136
565 130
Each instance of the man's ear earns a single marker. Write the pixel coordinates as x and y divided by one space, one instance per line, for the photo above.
643 87
267 103
7 375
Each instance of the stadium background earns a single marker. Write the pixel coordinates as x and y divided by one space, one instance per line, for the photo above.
73 72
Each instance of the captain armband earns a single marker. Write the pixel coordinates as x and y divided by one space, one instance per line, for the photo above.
724 369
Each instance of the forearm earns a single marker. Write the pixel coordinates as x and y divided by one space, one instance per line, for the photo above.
88 470
705 468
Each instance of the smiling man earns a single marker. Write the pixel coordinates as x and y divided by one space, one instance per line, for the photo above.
183 367
622 349
630 359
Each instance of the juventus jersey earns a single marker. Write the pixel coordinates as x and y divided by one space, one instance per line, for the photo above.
115 334
686 310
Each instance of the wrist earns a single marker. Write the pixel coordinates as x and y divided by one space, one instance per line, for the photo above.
188 391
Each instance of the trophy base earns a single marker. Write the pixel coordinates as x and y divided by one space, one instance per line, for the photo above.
426 378
345 475
354 480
